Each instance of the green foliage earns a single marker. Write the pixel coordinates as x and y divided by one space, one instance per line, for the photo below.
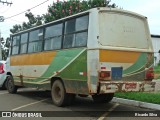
62 9
141 96
32 22
157 69
16 28
5 44
59 10
159 63
48 18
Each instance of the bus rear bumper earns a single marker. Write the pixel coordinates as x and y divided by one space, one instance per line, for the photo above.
119 86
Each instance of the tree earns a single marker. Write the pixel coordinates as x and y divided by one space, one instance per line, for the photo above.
16 28
34 21
59 10
62 9
5 44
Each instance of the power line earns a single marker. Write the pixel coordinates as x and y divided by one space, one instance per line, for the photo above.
5 2
26 10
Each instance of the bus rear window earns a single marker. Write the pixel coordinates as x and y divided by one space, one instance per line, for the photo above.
122 30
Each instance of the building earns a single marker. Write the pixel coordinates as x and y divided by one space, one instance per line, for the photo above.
156 47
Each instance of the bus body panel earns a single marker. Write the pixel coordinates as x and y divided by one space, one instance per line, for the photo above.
125 52
70 65
93 68
123 49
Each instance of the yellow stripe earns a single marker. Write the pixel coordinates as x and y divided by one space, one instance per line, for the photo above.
42 58
118 56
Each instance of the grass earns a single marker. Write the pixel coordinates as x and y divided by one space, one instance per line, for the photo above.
141 96
157 69
157 72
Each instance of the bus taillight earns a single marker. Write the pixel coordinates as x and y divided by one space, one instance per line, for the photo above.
149 74
105 74
1 68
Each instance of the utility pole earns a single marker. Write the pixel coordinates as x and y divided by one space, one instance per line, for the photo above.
5 2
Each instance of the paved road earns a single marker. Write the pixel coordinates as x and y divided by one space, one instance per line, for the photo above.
32 100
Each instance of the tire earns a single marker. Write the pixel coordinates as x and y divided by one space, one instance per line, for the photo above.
103 98
59 96
10 85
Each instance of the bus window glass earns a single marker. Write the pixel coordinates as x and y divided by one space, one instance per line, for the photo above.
36 35
68 41
16 40
55 30
76 34
33 36
23 48
24 39
35 47
35 41
70 26
53 43
15 50
82 23
53 37
81 39
15 45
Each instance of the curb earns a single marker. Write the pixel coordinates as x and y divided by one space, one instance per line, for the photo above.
136 103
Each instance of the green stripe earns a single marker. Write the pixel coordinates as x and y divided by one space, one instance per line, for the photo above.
61 59
139 64
73 70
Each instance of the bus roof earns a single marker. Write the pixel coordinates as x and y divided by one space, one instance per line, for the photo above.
81 13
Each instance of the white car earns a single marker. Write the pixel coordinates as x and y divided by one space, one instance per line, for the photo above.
3 75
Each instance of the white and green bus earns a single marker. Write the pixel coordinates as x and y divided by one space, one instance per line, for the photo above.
97 52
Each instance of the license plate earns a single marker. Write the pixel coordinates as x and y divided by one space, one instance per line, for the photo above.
130 85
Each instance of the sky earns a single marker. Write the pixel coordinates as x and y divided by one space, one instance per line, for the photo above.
148 8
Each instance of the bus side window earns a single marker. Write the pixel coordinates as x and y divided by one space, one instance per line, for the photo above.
81 39
24 39
15 45
76 32
69 33
35 41
82 28
82 23
53 37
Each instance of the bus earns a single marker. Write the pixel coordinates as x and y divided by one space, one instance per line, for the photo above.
97 52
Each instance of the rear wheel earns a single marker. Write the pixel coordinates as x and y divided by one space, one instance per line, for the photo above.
103 98
59 95
10 85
